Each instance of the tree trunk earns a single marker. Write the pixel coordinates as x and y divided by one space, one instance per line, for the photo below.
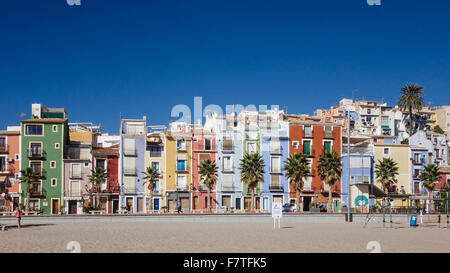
330 199
298 199
151 201
253 199
98 198
27 201
410 122
429 201
209 199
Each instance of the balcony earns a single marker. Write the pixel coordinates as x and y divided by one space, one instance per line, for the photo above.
4 149
4 169
34 153
418 161
276 188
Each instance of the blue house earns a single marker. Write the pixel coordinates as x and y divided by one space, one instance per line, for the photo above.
275 151
132 164
419 159
361 173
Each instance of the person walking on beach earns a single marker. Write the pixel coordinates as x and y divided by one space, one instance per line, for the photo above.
18 217
179 206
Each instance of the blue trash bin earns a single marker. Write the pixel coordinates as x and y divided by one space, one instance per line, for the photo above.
413 221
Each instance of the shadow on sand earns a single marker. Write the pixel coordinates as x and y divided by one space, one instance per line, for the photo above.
7 227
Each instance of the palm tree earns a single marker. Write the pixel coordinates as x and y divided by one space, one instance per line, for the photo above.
329 169
28 176
150 176
429 175
386 172
411 100
297 168
252 171
97 178
208 174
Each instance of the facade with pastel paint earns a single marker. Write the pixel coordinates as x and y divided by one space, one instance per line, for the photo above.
43 141
435 143
229 143
419 159
203 148
275 151
361 173
133 133
9 168
156 158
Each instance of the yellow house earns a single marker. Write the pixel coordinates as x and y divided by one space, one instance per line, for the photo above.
155 156
178 170
400 153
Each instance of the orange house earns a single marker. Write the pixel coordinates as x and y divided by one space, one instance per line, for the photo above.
9 168
313 139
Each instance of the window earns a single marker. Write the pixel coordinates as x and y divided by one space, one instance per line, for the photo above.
129 184
208 144
155 165
294 144
52 164
416 173
86 164
3 164
227 164
156 189
3 147
76 170
54 182
275 181
181 182
129 166
36 188
35 150
275 147
130 147
181 144
155 151
251 147
327 147
275 164
416 157
33 130
386 151
307 131
36 167
227 182
74 188
100 163
227 144
57 145
368 111
360 162
181 165
307 147
55 128
34 205
384 120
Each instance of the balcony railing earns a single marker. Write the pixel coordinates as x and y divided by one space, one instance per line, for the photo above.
4 149
33 153
420 161
4 169
129 152
275 188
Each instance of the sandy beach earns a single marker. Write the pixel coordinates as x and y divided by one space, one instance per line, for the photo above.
212 237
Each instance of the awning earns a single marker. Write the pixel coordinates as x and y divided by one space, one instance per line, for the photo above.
373 190
385 127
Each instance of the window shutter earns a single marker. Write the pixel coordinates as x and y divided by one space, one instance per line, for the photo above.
75 188
130 165
307 147
129 184
76 170
227 182
130 146
275 146
275 180
227 144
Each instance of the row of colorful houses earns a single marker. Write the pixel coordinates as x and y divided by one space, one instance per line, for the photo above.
64 154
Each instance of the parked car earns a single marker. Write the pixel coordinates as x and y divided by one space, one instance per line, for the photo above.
289 207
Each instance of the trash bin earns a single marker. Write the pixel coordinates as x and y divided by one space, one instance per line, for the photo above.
413 221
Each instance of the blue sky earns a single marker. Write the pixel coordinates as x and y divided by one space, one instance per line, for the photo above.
135 57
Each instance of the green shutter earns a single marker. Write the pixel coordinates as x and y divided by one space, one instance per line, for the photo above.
307 147
327 146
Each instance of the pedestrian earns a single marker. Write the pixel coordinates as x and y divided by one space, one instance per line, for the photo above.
18 217
179 206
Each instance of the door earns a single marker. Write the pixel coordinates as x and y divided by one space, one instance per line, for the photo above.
55 206
247 203
15 203
226 202
306 203
336 206
103 204
195 203
130 204
257 203
416 187
72 207
156 204
184 204
115 205
170 203
140 203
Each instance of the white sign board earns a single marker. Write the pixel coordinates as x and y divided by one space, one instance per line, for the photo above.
277 209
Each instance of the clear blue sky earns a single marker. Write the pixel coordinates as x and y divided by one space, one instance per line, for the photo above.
139 57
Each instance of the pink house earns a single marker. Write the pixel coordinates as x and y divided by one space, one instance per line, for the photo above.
9 168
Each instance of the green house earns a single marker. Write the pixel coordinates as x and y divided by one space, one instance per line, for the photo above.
43 139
